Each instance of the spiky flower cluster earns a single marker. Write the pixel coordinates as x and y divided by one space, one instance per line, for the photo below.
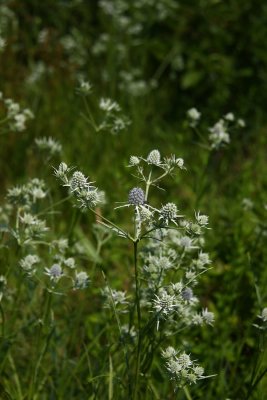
154 159
87 195
219 132
28 264
219 135
177 251
49 145
113 120
16 117
181 368
115 298
168 212
28 194
81 280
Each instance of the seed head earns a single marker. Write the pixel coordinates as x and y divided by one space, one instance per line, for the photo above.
208 316
168 212
134 161
81 280
78 181
154 157
187 294
55 272
136 196
145 214
169 352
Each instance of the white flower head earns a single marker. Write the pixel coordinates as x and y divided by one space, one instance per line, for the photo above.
54 273
81 280
194 115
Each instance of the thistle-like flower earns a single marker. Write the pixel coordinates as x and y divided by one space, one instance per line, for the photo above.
136 197
78 181
168 212
48 144
134 161
154 157
81 280
54 273
27 263
187 294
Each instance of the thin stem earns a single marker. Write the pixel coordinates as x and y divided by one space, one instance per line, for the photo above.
187 394
148 183
91 118
53 206
125 349
16 376
137 301
126 235
3 320
40 352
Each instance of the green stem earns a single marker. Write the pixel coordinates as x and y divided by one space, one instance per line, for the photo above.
91 118
148 183
126 235
3 320
40 353
53 206
137 301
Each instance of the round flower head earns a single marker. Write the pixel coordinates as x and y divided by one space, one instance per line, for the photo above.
145 214
154 157
88 198
55 272
187 294
168 212
134 161
78 181
136 197
81 280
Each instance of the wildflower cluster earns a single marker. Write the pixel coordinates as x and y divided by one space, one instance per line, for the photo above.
130 22
26 224
15 116
181 368
25 196
86 195
115 298
173 248
178 251
112 118
48 145
220 132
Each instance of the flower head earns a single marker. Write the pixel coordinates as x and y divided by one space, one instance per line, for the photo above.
168 212
154 157
136 196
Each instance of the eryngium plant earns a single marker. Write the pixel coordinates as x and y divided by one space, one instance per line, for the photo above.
167 261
